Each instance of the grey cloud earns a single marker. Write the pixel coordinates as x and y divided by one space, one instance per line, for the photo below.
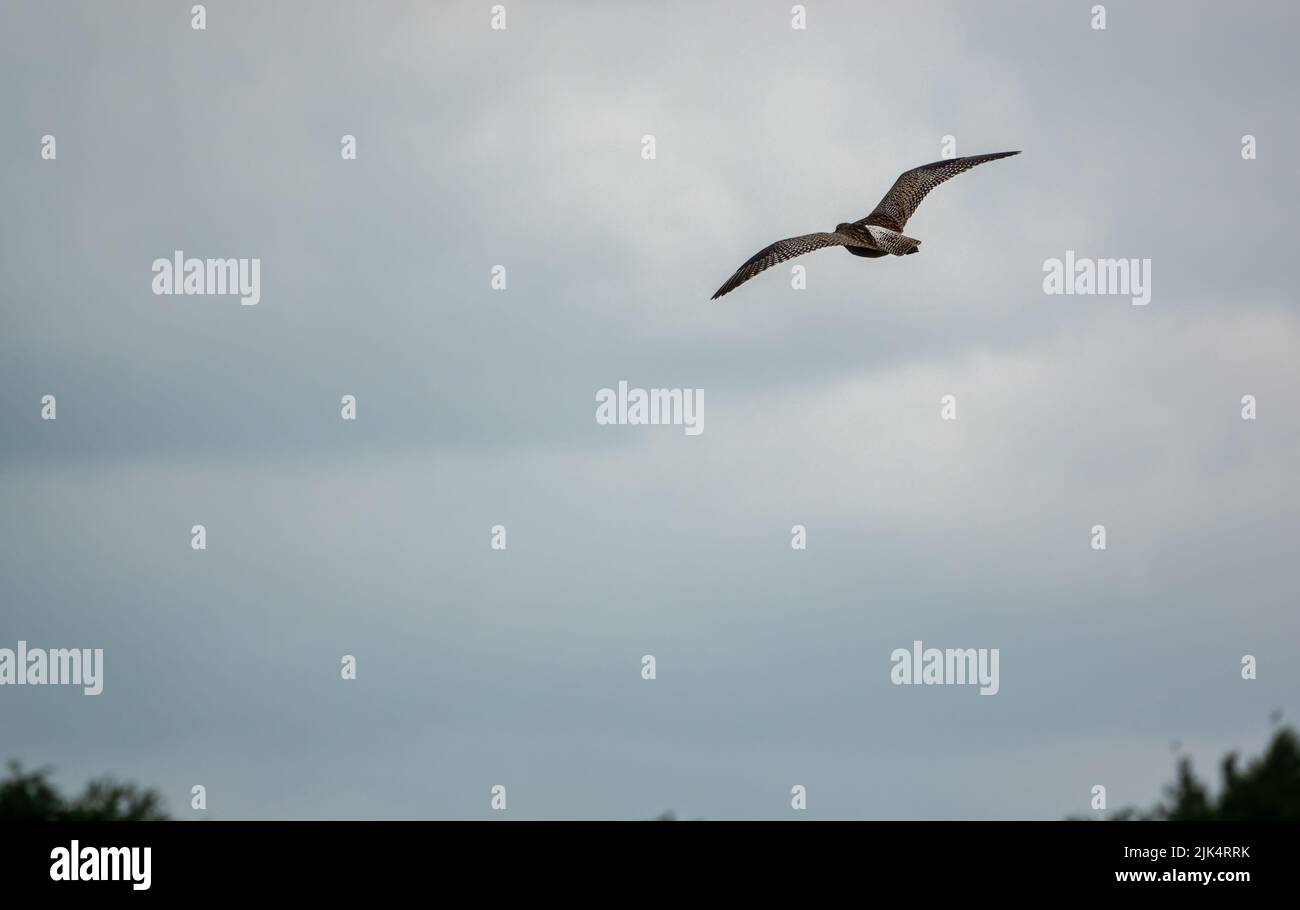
476 407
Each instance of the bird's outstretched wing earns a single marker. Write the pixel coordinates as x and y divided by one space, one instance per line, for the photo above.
780 252
911 186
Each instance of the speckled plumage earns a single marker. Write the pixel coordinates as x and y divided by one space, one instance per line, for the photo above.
878 234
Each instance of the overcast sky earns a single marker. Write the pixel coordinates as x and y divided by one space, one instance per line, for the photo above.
479 147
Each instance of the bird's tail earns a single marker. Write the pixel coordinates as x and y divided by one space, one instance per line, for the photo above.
892 241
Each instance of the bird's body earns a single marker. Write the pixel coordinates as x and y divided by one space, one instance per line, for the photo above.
878 234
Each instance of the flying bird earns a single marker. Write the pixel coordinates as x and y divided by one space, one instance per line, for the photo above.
879 234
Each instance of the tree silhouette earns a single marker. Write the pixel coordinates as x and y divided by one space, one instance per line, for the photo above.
1268 789
29 796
